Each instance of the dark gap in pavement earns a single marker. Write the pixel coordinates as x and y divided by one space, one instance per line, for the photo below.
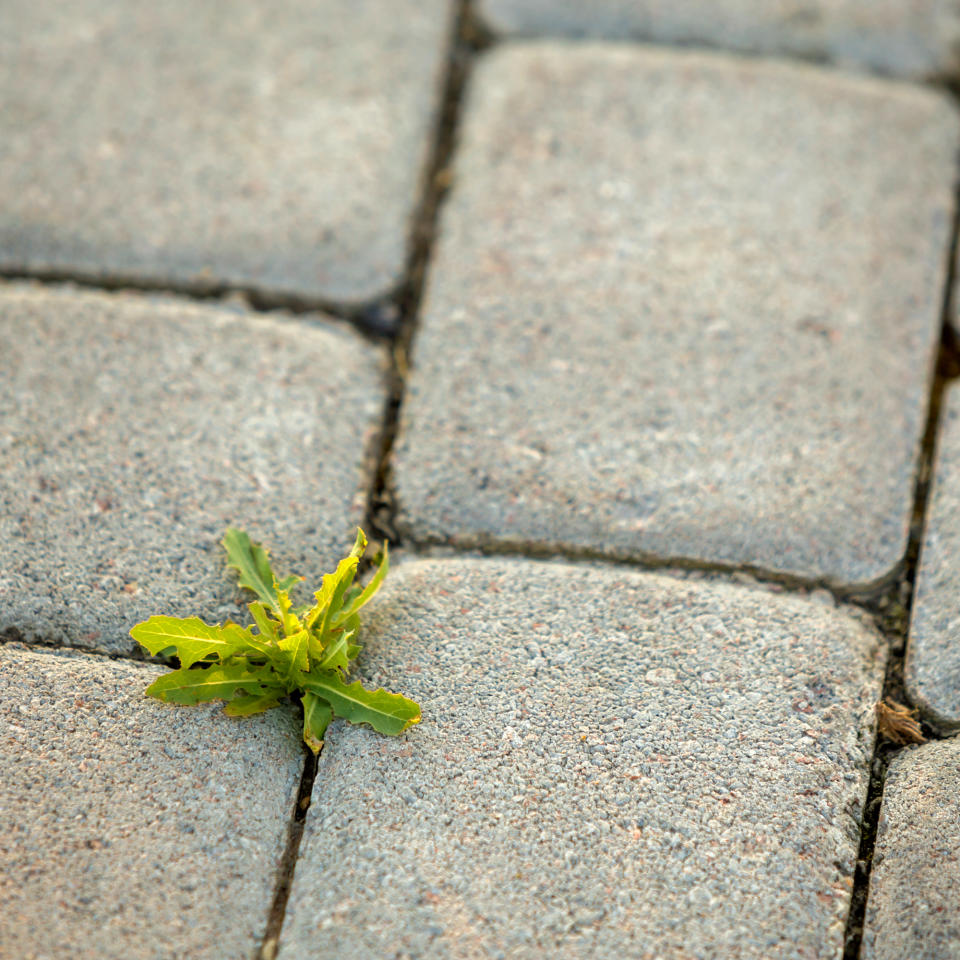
462 47
467 41
13 635
374 320
894 610
288 862
947 79
872 597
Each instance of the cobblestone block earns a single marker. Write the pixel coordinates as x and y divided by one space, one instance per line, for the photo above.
682 306
134 431
932 670
273 144
132 828
610 764
912 906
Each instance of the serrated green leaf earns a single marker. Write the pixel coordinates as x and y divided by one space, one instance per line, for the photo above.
252 564
359 545
246 705
317 715
256 648
335 655
287 582
349 596
330 595
314 646
190 637
388 713
219 682
351 608
297 648
288 618
268 627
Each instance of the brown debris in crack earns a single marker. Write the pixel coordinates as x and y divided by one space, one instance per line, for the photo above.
898 723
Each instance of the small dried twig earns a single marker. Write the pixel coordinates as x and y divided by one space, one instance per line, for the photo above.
898 723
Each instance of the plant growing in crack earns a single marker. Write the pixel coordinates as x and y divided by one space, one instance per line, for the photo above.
286 650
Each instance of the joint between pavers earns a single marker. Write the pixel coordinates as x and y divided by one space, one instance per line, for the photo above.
946 367
947 79
374 320
467 40
872 597
406 301
288 862
11 635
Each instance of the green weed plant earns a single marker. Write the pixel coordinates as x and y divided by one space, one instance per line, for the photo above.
285 651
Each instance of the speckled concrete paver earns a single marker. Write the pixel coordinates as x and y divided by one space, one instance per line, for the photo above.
919 38
277 144
610 764
135 430
131 828
932 669
912 910
683 306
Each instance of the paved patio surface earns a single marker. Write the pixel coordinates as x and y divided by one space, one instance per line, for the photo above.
656 415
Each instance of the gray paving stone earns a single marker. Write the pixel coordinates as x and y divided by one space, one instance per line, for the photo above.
682 306
277 144
912 906
135 430
131 828
610 764
919 38
932 669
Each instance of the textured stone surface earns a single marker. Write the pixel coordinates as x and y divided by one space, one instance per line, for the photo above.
610 764
272 143
132 828
682 305
134 431
932 670
912 906
919 38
